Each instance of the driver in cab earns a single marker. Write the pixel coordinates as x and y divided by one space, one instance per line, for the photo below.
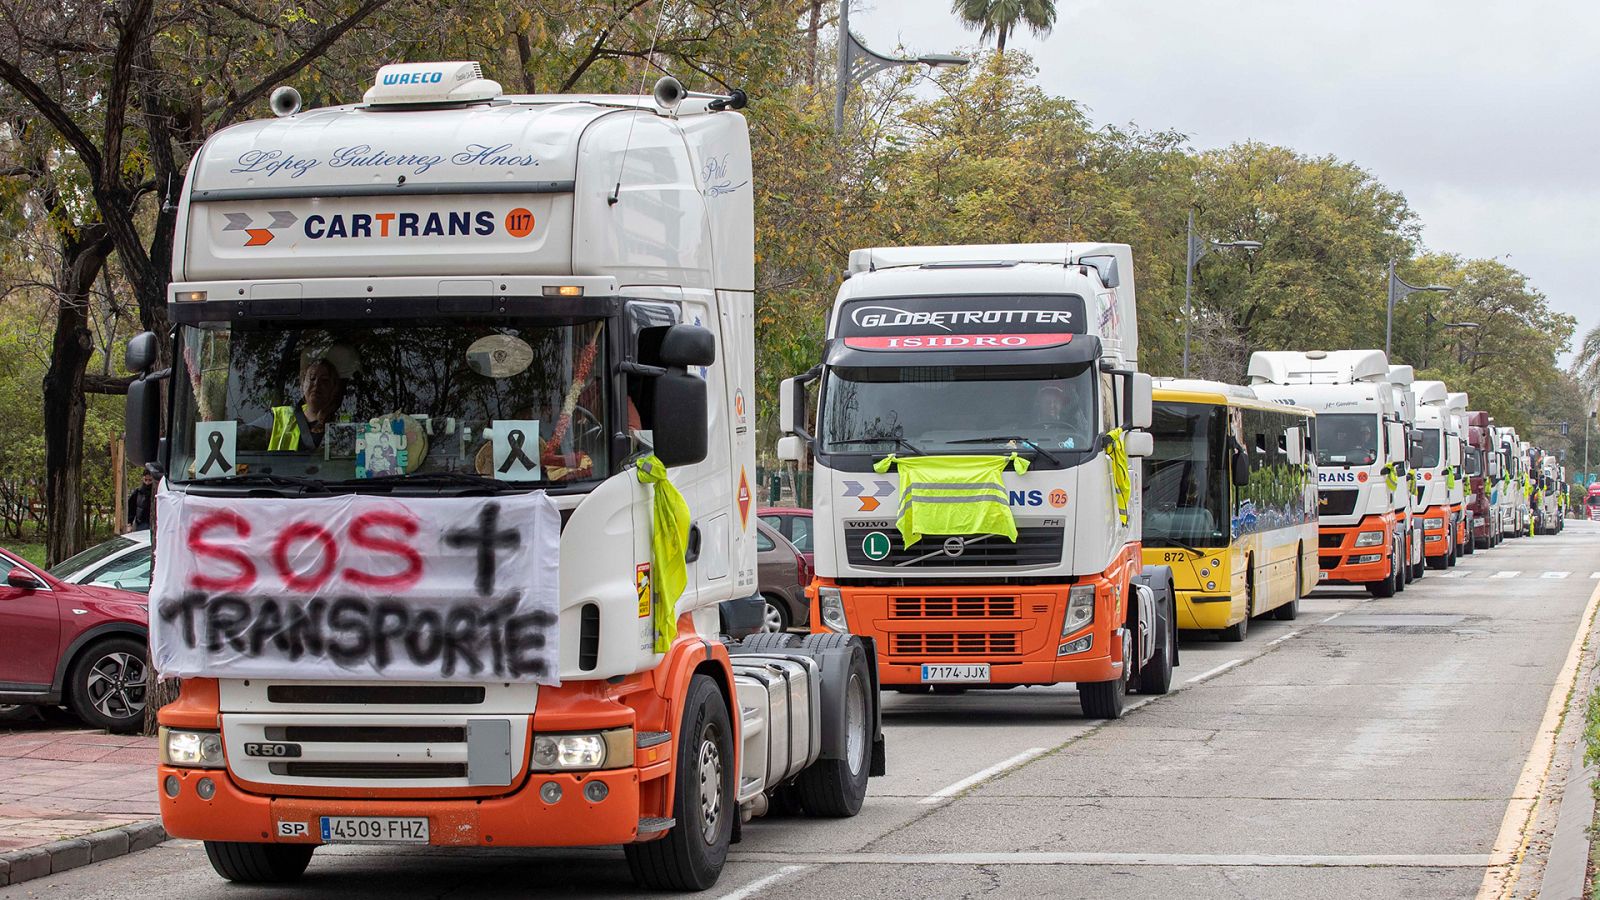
301 426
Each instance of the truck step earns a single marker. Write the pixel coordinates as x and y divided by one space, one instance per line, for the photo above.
655 825
644 739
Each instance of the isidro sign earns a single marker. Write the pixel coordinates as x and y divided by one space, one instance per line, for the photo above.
434 588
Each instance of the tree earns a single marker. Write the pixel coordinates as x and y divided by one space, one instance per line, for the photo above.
1001 17
1586 362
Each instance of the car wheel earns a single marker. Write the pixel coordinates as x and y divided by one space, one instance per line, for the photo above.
106 688
774 615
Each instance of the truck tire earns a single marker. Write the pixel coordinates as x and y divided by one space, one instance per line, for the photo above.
836 788
1386 587
1156 676
691 856
1106 699
259 863
769 641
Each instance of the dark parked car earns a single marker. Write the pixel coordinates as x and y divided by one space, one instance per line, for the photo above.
80 645
782 573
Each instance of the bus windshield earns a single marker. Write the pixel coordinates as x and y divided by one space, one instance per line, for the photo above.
1186 480
337 401
955 409
1347 439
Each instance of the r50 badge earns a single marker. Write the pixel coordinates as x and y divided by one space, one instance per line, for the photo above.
271 749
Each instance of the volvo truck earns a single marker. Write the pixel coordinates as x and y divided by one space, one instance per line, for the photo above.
459 490
1027 354
1360 445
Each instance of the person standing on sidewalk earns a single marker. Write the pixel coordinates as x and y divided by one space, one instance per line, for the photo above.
139 502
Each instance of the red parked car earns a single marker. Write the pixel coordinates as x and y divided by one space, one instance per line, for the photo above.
80 645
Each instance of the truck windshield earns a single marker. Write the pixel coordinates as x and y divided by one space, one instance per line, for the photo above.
1186 479
957 409
1425 449
1472 461
1347 439
336 401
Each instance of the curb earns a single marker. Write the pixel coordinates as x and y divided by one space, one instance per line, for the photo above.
17 866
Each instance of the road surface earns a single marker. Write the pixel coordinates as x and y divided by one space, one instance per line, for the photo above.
1370 748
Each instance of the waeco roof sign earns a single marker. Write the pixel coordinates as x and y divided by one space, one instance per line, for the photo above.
961 323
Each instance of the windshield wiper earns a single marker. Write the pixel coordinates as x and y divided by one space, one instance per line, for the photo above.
261 479
878 440
995 439
1182 546
461 479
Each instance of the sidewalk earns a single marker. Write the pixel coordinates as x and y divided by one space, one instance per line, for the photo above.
61 780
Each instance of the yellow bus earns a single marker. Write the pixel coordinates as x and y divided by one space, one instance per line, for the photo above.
1230 504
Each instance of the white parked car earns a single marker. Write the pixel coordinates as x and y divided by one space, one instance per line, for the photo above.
124 563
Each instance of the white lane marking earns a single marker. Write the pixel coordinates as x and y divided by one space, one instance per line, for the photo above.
1510 845
1279 640
761 884
1330 618
1217 671
1593 576
1004 765
1555 574
1509 574
1456 574
1185 860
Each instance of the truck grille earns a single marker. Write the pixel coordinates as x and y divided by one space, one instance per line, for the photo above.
953 607
369 771
985 643
1035 546
367 694
1330 541
1336 503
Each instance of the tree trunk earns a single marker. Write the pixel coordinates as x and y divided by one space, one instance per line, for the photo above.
813 28
64 405
1000 38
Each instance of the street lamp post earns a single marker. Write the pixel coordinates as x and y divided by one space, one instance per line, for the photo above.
1399 290
1428 320
857 63
1198 247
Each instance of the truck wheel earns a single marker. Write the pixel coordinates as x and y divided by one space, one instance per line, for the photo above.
1156 676
1386 587
259 863
836 788
107 686
692 854
769 641
1105 699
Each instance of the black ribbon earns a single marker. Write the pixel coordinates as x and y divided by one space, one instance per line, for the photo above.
514 442
215 457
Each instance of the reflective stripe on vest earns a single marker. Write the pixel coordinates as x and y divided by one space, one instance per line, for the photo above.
953 495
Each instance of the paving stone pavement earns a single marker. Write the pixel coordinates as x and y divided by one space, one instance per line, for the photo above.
61 780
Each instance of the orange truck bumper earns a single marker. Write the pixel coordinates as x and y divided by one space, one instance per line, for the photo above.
1434 537
1015 629
1342 562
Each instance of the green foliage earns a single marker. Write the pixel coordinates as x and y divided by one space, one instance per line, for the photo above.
1000 18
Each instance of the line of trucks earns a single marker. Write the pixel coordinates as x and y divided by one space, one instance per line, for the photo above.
554 295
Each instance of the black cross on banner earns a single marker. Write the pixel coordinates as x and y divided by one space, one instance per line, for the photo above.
514 454
489 538
215 457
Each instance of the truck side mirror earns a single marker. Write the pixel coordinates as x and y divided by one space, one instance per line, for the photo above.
1141 410
687 345
786 403
791 448
1239 465
1139 444
141 413
680 417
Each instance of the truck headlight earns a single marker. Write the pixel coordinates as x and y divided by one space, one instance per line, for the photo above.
830 603
1080 608
1433 523
191 749
1369 539
569 751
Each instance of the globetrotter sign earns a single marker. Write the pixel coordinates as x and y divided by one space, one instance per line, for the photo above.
962 323
357 587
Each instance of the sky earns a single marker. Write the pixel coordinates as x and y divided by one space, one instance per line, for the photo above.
1485 115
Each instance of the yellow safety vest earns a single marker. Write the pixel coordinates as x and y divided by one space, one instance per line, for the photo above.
285 429
669 539
953 495
1121 481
